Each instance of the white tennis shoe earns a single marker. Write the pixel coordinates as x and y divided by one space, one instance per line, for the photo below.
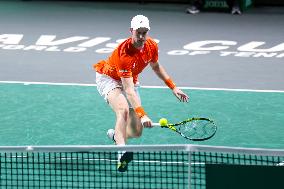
110 134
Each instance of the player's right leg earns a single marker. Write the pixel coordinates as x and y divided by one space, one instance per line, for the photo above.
111 90
119 105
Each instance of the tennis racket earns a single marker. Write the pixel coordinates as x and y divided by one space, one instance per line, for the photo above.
196 129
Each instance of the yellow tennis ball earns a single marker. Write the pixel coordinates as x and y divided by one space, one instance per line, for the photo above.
163 121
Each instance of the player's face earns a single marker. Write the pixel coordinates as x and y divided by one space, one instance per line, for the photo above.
139 36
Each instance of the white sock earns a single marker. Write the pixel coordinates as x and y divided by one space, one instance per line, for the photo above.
120 153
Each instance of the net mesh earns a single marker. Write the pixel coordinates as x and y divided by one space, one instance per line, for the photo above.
182 166
201 157
93 170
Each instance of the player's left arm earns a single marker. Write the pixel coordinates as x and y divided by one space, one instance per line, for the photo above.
163 75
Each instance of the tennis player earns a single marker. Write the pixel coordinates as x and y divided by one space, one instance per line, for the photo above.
117 82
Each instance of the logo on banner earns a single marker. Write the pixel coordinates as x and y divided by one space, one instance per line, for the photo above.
78 44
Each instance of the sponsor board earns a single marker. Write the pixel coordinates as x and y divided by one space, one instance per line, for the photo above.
78 44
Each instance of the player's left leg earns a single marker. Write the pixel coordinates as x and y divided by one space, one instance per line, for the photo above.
134 127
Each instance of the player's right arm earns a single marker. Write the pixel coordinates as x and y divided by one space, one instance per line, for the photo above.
128 87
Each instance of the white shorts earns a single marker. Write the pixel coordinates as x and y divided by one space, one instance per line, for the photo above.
105 84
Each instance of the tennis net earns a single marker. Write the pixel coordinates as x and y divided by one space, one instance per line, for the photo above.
93 167
153 166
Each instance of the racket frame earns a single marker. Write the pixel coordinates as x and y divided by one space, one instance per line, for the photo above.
172 126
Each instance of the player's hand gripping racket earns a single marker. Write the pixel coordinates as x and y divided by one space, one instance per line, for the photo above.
196 129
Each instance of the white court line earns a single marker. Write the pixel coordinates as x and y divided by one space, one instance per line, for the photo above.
150 87
111 160
136 161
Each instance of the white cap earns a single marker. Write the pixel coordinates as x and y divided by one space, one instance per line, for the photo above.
140 21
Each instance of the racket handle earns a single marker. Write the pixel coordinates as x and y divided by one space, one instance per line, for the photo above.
154 124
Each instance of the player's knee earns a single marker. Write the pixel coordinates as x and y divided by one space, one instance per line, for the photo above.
137 134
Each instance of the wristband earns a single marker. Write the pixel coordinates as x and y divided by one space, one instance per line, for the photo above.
169 82
140 111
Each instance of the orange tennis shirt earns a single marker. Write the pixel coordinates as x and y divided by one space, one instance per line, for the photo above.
127 61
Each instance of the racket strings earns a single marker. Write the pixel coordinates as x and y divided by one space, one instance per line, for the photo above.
197 129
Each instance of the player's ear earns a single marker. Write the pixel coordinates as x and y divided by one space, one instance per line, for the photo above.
131 30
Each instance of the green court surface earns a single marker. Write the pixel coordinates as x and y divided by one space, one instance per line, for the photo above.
77 115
